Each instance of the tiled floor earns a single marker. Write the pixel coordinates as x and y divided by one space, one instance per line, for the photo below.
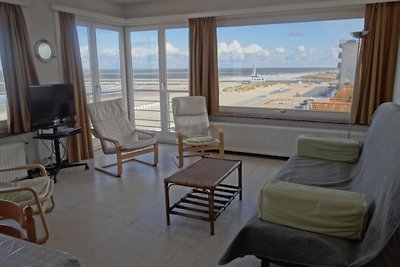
108 221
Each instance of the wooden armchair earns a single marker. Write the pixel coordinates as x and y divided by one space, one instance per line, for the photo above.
193 131
23 216
118 136
30 192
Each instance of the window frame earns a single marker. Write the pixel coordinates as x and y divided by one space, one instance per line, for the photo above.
93 55
162 58
292 16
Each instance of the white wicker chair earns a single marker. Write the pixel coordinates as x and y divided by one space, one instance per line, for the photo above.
118 136
193 129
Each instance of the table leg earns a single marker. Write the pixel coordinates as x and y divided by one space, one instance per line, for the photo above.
240 180
166 191
211 210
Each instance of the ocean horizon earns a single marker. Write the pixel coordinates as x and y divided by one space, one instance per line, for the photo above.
224 73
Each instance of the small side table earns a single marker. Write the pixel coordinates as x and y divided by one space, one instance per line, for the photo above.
209 196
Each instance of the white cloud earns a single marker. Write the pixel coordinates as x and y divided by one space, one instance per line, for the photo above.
141 52
301 49
280 50
332 53
302 53
172 50
110 52
235 48
84 51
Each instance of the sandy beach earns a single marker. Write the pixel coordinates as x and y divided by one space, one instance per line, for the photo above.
277 95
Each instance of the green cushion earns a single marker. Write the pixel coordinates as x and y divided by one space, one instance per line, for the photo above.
315 209
200 140
329 148
40 184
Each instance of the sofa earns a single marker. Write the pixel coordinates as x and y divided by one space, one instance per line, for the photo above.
376 174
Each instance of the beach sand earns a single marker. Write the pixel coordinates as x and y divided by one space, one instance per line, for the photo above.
278 95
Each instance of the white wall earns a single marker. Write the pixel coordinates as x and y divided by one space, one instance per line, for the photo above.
41 25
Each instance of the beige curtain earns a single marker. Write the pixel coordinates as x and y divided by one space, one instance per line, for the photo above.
203 79
18 67
378 57
79 146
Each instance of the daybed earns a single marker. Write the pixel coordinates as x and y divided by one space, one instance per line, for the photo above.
376 175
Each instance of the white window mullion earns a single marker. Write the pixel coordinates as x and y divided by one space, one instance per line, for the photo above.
93 64
163 78
129 75
123 67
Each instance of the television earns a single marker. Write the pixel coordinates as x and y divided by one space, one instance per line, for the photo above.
49 104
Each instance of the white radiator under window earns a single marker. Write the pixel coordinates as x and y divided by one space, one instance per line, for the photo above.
12 155
271 140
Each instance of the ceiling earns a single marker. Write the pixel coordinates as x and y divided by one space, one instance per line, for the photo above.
153 8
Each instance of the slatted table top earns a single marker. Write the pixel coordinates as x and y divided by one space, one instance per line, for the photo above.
206 173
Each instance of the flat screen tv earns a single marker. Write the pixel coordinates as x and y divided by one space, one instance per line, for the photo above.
49 104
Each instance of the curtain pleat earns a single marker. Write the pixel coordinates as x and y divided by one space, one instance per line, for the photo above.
18 66
79 146
203 61
378 58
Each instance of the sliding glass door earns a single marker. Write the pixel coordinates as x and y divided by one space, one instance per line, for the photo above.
160 64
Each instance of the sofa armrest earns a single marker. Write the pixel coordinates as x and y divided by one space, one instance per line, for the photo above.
316 209
329 148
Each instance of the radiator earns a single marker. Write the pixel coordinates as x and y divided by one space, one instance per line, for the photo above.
271 140
12 155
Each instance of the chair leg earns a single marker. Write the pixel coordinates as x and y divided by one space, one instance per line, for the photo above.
155 154
180 158
53 205
30 225
119 163
44 223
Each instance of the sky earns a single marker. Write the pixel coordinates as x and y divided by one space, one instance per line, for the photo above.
300 44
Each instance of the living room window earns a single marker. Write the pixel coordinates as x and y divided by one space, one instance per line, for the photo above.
102 61
295 70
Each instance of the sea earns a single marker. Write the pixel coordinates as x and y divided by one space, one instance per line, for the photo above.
273 74
225 74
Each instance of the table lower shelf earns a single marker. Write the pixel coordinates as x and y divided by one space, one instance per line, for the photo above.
196 203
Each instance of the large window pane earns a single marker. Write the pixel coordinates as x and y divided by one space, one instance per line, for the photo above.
3 96
109 63
146 81
83 36
177 59
300 66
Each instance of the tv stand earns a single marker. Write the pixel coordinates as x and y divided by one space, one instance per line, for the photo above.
55 137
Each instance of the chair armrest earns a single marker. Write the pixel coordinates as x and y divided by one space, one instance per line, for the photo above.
42 169
152 134
97 135
218 130
19 189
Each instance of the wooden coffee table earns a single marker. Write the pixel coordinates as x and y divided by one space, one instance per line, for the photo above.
208 197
